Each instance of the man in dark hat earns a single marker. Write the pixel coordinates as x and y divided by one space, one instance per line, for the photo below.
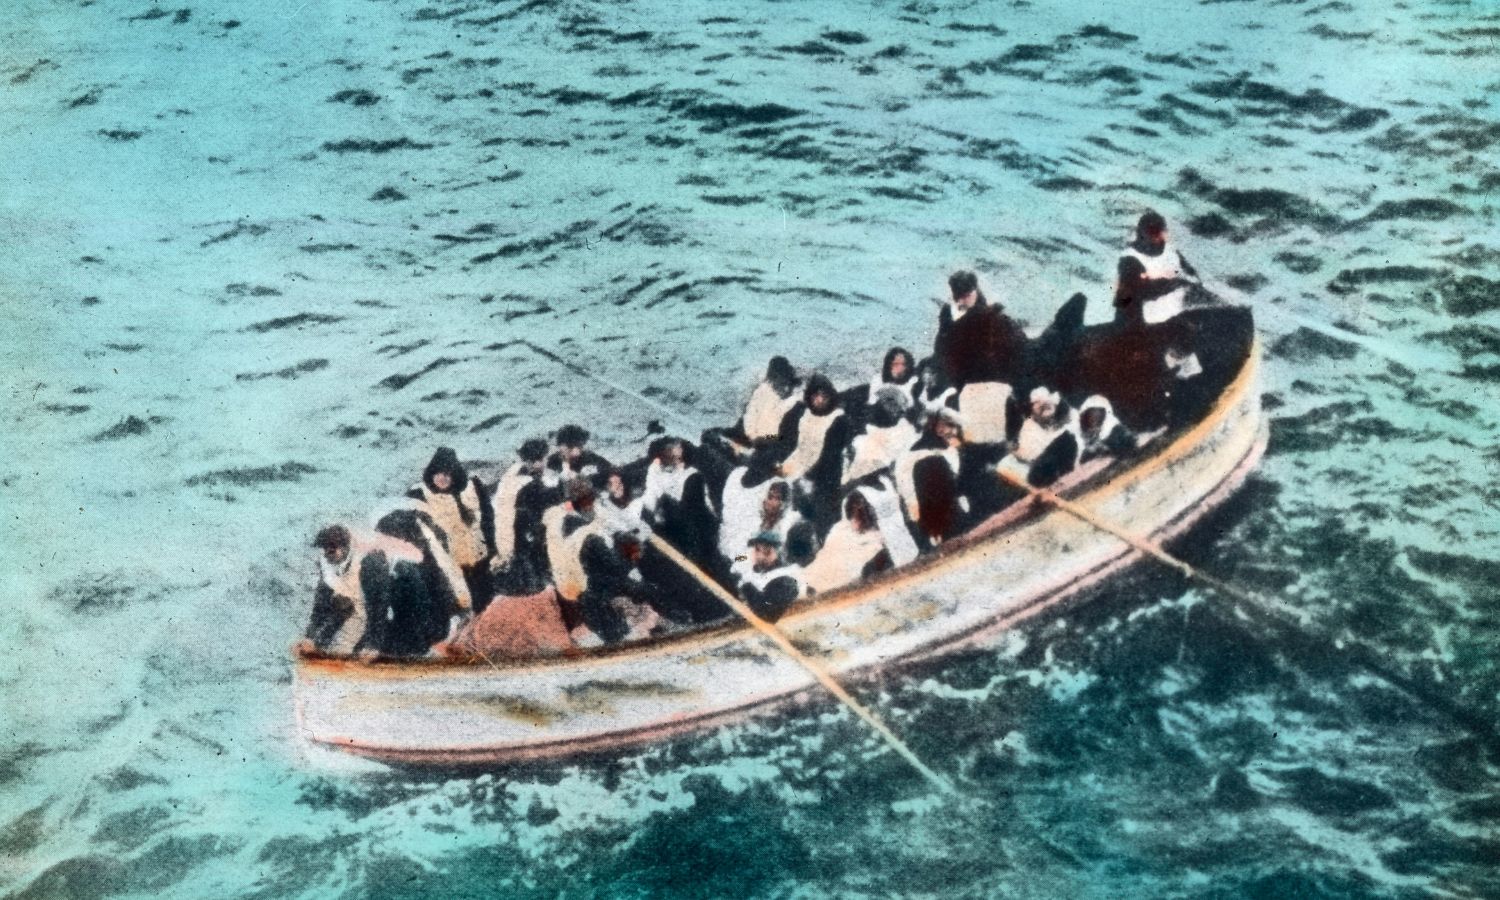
767 584
976 340
1152 276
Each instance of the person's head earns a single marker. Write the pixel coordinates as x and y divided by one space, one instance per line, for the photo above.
964 286
946 426
445 474
532 453
859 512
1092 416
888 407
899 366
334 542
571 440
580 495
781 375
614 485
670 453
820 395
778 495
1044 404
1151 230
765 550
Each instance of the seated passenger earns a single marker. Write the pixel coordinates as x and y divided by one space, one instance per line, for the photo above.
519 564
927 479
771 400
572 458
898 374
614 604
740 503
1047 446
870 538
567 526
355 583
1102 435
887 435
461 507
429 595
1152 276
812 441
619 509
767 584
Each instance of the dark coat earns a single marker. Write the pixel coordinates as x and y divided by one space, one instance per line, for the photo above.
330 611
984 345
421 600
772 601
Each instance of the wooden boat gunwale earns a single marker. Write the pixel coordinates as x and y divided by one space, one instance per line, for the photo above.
1098 487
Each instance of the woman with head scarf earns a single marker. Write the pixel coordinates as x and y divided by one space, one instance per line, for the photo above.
461 508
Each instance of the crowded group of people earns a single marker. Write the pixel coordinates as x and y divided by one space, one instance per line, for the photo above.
812 490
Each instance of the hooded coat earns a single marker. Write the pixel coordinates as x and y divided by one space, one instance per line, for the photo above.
812 449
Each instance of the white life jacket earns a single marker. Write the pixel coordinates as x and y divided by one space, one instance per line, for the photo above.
662 482
742 512
812 432
620 519
764 412
504 504
564 552
906 484
878 448
465 539
843 557
744 570
982 406
1035 437
343 580
1167 264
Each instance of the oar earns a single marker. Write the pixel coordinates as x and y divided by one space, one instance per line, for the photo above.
1416 358
1277 613
779 638
580 370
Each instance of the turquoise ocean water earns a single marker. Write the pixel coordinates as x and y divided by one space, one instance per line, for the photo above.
258 259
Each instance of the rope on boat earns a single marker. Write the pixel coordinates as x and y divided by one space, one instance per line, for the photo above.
779 638
580 370
1293 622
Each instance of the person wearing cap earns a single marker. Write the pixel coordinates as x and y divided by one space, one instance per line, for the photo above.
353 600
1152 276
460 505
768 584
572 458
976 341
520 559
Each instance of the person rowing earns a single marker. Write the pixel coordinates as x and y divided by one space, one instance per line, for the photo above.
1152 275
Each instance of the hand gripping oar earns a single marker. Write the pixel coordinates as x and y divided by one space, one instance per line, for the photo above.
1278 613
785 645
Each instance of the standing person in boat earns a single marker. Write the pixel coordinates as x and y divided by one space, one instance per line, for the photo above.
870 538
813 437
572 458
766 582
1152 276
887 435
926 479
519 564
355 596
771 400
976 341
461 507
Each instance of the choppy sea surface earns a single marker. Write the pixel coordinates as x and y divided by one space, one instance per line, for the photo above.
258 259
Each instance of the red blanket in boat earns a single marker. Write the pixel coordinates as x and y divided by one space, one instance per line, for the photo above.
514 628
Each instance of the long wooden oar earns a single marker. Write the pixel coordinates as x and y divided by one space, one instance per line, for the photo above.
779 638
1278 613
